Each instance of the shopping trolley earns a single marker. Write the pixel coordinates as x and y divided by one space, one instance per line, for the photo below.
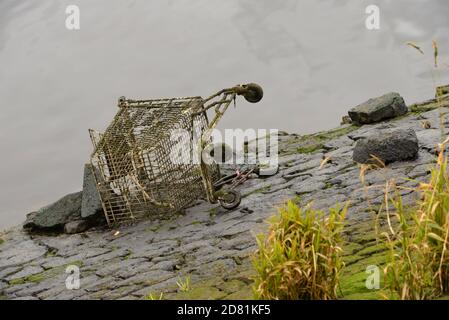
152 160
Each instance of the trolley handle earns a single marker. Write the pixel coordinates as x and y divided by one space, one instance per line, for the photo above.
252 92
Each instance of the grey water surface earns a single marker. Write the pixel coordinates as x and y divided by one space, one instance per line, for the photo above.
315 60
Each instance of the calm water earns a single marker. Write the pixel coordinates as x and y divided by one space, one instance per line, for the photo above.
315 60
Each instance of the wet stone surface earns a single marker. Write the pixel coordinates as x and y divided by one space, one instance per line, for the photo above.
209 245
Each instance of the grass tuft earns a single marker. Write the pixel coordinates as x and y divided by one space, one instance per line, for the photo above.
300 258
418 261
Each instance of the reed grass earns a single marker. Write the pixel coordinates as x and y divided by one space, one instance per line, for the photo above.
418 262
300 258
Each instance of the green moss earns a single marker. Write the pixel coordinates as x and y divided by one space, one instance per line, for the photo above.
361 251
260 190
335 133
47 274
16 282
353 284
244 294
213 211
328 185
367 238
420 108
153 228
128 255
373 249
202 293
297 200
351 248
233 286
314 142
203 290
310 149
371 295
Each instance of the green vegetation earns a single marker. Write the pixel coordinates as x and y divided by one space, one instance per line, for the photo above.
47 274
334 133
300 258
213 212
420 108
184 285
312 143
408 243
359 253
418 261
152 296
310 149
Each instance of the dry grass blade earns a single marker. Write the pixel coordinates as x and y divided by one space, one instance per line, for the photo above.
435 53
415 46
418 263
324 161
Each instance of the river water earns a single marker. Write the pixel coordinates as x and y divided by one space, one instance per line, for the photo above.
315 60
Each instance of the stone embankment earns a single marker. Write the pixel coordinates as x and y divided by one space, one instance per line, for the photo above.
210 246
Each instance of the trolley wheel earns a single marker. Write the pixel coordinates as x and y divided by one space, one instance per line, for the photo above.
230 200
254 92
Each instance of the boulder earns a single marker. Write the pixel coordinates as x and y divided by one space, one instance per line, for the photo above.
91 203
56 215
83 208
387 145
76 226
387 106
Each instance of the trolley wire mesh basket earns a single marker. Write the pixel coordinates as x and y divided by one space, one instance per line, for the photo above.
136 165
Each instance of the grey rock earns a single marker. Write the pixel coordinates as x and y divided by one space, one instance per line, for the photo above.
169 265
21 254
25 272
69 294
56 215
387 106
13 289
429 139
35 289
54 262
208 242
389 146
3 285
122 267
308 187
129 271
76 226
26 298
91 203
8 271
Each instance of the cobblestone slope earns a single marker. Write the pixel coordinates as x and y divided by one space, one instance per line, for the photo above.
207 244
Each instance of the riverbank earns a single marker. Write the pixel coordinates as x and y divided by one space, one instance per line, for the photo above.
212 247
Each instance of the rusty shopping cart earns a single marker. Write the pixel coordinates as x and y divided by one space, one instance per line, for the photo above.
150 160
